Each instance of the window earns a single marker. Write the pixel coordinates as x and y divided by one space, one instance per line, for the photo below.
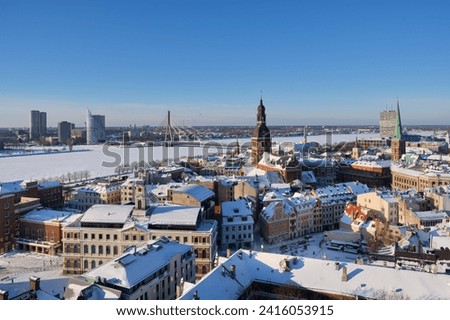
92 249
93 264
92 236
86 249
100 249
86 264
75 264
85 236
204 269
185 239
134 237
68 248
76 249
142 238
115 250
127 237
108 250
100 236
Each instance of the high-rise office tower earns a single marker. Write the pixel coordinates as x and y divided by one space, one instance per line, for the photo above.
95 128
64 131
38 124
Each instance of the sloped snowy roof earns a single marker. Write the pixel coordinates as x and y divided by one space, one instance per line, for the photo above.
11 187
308 177
320 275
198 192
236 208
131 268
107 213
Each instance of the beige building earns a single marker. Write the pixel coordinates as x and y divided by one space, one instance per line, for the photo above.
105 231
128 189
440 197
419 178
424 219
100 193
410 201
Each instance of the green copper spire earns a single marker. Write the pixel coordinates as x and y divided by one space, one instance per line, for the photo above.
398 123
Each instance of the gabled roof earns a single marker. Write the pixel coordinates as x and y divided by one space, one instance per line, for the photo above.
134 266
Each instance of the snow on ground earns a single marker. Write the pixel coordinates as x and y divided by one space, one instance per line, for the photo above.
316 248
16 267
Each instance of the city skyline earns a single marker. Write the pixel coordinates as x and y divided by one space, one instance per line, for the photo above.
316 63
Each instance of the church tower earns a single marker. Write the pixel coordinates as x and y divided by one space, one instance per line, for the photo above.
398 144
140 198
261 141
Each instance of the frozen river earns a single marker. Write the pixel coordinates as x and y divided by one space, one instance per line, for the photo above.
101 161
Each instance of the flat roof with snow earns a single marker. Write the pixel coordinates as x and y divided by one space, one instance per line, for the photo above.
45 215
107 213
174 215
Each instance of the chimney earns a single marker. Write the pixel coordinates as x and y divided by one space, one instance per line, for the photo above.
337 266
4 295
233 270
228 252
344 274
196 296
35 283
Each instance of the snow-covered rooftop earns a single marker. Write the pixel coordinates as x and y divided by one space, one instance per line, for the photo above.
46 215
366 281
89 291
239 207
132 267
11 187
174 215
198 192
372 163
431 215
107 213
49 184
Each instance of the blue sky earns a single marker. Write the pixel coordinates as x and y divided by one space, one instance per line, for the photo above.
316 62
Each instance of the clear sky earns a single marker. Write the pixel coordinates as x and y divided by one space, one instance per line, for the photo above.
316 62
